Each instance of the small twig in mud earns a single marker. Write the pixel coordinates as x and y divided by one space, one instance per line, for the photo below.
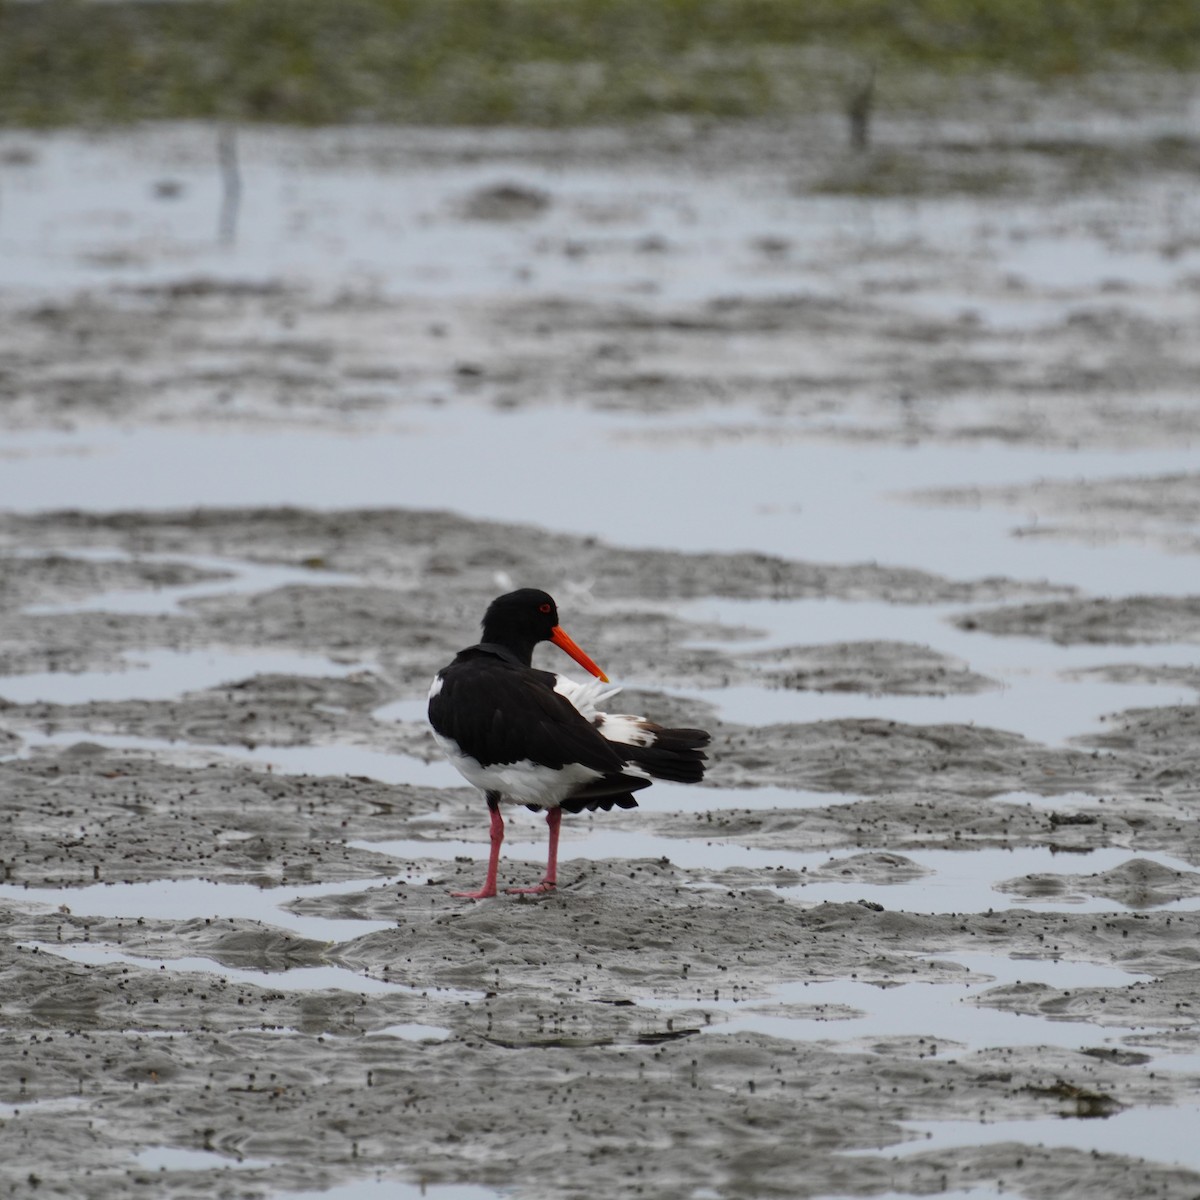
860 105
231 183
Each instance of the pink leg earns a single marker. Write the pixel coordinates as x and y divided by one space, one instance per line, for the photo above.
550 879
553 820
497 835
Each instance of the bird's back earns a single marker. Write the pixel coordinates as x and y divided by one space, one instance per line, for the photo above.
520 732
499 711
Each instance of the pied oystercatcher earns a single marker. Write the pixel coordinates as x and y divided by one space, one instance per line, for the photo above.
524 736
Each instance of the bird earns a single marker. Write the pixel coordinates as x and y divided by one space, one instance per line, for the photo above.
524 736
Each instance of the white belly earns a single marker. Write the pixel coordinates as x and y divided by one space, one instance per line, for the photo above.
520 782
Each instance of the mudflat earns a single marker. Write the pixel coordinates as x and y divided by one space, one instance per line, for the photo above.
880 467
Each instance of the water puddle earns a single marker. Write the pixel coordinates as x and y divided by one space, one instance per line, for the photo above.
1062 262
1161 1135
1062 802
591 843
687 799
176 1158
187 899
411 709
961 881
160 674
168 1159
1035 697
965 881
413 1032
237 577
331 760
834 501
939 1013
287 979
1045 709
325 213
1187 1064
157 673
998 969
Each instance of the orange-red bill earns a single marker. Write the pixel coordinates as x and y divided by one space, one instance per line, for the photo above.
560 639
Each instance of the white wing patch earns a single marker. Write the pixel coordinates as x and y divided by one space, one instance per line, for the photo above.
623 728
436 686
585 696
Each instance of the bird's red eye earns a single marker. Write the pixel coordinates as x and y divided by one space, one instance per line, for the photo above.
543 608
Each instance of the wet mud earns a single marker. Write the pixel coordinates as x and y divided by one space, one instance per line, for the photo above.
943 878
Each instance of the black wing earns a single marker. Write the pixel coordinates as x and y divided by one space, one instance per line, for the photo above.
499 712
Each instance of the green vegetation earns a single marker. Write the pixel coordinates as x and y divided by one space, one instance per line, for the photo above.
538 61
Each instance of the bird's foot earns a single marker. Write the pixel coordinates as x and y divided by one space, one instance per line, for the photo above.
541 889
484 893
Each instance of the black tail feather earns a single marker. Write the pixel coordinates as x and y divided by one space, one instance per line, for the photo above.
574 804
605 792
673 755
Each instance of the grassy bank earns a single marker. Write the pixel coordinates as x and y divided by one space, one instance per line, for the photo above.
540 61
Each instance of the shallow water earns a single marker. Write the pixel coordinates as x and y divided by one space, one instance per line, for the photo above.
304 979
962 881
161 674
1042 707
1034 698
1164 1135
335 759
237 577
410 467
939 1013
820 501
176 1158
327 208
183 899
965 880
935 1011
856 482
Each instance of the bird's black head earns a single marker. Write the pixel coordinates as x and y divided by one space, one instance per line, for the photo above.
526 617
521 619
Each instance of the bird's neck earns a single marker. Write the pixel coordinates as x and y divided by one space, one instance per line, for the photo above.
520 648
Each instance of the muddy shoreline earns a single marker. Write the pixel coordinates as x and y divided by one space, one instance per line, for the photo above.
867 491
